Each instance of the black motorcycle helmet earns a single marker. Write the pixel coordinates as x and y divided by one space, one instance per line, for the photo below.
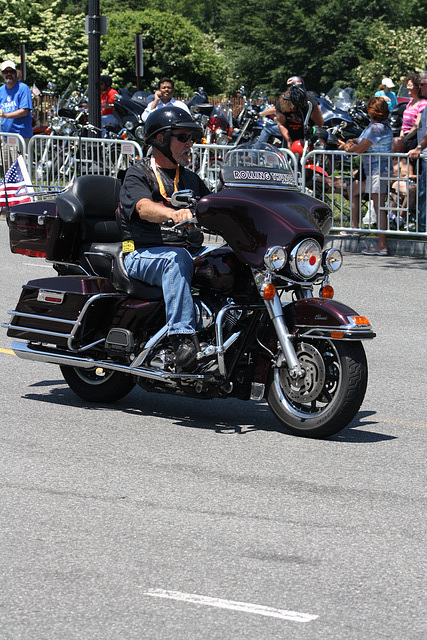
297 96
166 119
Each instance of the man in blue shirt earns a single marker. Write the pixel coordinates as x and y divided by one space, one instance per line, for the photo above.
15 103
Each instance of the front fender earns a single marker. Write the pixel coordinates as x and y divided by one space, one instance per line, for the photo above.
324 318
316 318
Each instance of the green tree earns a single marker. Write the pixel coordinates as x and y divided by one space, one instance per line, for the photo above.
56 46
393 53
173 46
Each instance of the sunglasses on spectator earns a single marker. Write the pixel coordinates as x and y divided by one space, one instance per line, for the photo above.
184 137
422 84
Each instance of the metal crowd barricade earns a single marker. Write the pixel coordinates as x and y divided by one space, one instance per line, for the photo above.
12 145
335 185
58 160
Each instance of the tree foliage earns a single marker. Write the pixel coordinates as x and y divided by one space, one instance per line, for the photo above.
173 46
221 44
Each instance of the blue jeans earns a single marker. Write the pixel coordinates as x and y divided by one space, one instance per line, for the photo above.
270 130
422 196
172 269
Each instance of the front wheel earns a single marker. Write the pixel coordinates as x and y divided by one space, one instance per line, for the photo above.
329 395
98 385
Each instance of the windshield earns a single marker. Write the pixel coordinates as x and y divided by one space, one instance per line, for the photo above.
258 164
342 98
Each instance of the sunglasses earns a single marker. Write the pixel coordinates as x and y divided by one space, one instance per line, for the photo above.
184 137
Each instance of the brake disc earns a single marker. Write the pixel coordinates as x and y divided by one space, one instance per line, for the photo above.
310 386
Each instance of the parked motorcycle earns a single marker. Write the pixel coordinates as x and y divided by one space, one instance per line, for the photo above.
249 123
200 108
68 119
128 110
263 331
337 113
219 127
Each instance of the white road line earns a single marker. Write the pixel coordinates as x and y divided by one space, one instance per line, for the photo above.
245 607
33 264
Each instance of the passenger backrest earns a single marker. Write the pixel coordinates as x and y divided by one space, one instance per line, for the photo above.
91 201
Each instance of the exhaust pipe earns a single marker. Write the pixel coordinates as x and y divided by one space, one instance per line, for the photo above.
25 352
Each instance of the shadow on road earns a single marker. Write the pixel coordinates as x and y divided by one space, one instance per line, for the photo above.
225 417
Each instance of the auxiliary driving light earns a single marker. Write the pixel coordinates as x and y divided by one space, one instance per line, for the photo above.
275 258
332 260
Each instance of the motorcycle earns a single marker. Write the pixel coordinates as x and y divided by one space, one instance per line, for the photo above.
338 109
128 110
68 120
249 123
267 324
200 108
219 127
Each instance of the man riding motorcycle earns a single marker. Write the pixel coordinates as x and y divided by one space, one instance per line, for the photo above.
155 253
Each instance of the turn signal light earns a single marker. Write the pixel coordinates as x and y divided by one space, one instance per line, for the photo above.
327 291
269 291
360 320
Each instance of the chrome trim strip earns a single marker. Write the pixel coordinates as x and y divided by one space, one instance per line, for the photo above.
38 331
25 352
21 314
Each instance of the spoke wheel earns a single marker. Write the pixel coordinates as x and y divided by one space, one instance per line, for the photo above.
329 395
98 385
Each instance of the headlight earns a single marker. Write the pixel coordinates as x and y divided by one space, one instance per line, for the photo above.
305 258
275 258
221 137
129 125
67 129
332 260
139 132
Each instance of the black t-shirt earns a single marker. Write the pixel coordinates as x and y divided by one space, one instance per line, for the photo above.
295 120
140 182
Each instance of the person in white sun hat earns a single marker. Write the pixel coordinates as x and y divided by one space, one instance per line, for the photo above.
385 91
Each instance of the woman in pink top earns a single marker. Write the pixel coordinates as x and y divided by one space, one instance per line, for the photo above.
416 104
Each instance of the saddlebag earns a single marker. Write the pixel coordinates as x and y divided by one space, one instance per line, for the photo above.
60 230
70 311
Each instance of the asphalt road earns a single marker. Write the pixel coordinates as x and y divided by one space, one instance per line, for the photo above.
167 519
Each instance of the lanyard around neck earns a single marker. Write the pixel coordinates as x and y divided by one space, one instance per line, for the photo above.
160 181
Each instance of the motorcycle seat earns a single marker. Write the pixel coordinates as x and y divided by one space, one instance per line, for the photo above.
110 263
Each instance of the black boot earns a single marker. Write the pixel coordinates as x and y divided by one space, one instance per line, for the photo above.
185 349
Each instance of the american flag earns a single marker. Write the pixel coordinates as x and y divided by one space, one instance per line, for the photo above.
17 176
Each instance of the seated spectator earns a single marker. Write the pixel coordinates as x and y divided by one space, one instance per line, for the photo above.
375 139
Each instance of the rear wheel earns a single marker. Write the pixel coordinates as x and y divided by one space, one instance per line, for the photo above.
97 384
329 395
